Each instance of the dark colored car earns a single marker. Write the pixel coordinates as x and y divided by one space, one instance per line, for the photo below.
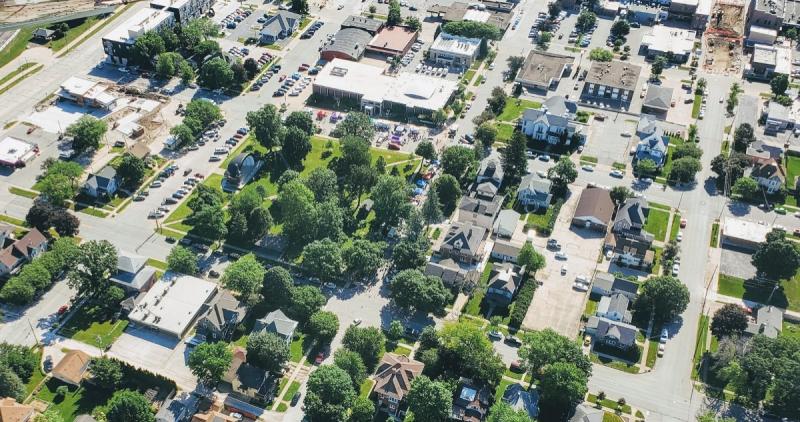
213 274
295 398
170 240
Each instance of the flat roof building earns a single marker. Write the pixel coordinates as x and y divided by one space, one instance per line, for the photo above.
87 93
173 303
15 152
183 10
393 40
118 43
454 51
768 60
665 40
614 81
417 93
542 70
743 234
761 35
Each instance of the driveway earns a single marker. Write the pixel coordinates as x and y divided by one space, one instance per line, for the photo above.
157 353
555 304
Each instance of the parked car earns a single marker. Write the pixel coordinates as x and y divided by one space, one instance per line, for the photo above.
295 399
561 255
514 341
664 335
495 335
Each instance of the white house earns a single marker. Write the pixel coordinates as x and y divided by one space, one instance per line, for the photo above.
769 175
534 192
614 307
545 125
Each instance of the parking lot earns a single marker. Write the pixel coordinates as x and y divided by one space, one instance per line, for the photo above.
604 141
737 264
155 352
556 304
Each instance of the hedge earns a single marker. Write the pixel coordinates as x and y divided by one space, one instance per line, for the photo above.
523 301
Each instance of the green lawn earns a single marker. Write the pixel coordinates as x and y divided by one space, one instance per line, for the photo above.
610 417
37 375
657 222
790 329
157 264
402 350
591 306
787 296
659 206
93 325
16 46
611 404
652 353
700 345
293 388
589 159
504 132
249 145
792 169
183 209
473 307
675 226
698 102
12 220
78 401
366 387
501 389
23 192
714 234
515 107
26 75
11 75
73 33
540 220
298 347
468 75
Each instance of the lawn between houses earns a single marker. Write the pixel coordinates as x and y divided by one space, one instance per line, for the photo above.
787 296
94 325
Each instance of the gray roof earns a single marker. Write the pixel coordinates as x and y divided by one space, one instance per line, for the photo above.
617 303
486 189
465 238
614 74
623 333
560 106
504 277
777 111
450 272
132 271
363 23
647 124
507 220
611 283
507 248
658 97
282 21
350 41
102 178
276 322
521 399
492 167
584 413
769 322
130 263
171 411
633 212
225 309
544 116
535 183
541 68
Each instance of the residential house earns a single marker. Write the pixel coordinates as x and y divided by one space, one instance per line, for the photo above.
133 274
464 243
769 322
504 281
553 122
247 382
506 223
471 401
72 367
224 312
653 142
631 251
612 333
393 380
769 175
491 169
279 26
172 410
631 218
479 211
506 250
534 192
585 413
102 184
277 322
11 411
21 251
485 191
214 413
614 307
594 209
606 284
778 118
520 398
452 274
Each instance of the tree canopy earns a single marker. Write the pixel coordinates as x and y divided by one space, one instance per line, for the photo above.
267 351
665 296
471 29
210 361
411 289
777 258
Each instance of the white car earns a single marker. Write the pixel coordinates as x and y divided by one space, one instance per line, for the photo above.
609 254
155 184
626 134
214 158
541 174
580 287
675 269
561 255
587 167
679 237
564 269
617 173
661 349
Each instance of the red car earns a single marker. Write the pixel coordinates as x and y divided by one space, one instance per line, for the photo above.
320 357
683 223
281 78
198 175
63 309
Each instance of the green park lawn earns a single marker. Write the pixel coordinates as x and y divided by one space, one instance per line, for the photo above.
792 169
16 46
504 132
657 222
94 325
787 296
515 107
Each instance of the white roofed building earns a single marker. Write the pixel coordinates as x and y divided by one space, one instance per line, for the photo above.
767 60
743 234
344 79
664 40
87 93
454 51
15 152
119 42
761 35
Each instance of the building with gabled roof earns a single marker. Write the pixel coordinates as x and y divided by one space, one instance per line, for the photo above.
102 184
534 192
612 333
224 313
520 398
594 209
279 26
72 367
768 321
464 243
278 323
504 281
614 307
11 411
606 284
133 274
491 169
769 175
22 251
658 99
393 380
471 401
363 23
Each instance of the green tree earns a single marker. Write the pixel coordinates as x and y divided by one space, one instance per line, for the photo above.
362 258
267 351
168 64
562 174
728 320
368 342
395 331
183 134
515 164
394 17
532 260
216 73
503 412
95 263
17 291
300 120
266 125
209 222
619 194
486 134
322 182
49 415
306 301
658 65
204 112
663 296
620 28
586 20
330 394
131 171
297 208
245 276
687 150
448 192
432 208
497 100
472 29
646 167
465 350
56 189
429 401
20 359
684 169
147 47
296 146
355 124
86 133
411 289
456 161
209 362
10 384
413 23
36 275
777 258
106 373
363 410
562 385
515 63
127 405
544 348
351 363
323 325
746 188
779 84
278 288
409 253
743 137
300 6
323 259
426 150
390 200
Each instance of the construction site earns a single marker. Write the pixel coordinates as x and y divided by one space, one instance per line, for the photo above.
723 40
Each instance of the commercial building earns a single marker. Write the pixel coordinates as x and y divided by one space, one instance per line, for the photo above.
279 26
347 44
133 274
393 40
543 71
665 40
594 210
173 303
363 23
761 35
497 13
87 93
454 51
658 99
407 92
613 81
118 44
15 152
768 60
743 234
183 10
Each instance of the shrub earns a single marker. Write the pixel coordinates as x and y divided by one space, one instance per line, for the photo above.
523 301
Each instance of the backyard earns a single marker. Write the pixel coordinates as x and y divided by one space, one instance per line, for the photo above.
77 401
514 109
657 221
94 325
